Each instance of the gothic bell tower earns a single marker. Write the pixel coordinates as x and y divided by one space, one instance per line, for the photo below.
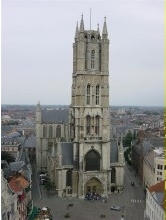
89 110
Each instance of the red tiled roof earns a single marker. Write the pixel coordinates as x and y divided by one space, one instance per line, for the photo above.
159 187
17 184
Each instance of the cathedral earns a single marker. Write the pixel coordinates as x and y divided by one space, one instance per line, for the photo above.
74 145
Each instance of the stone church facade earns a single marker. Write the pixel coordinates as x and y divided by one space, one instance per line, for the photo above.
73 145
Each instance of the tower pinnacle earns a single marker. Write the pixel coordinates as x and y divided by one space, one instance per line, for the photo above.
82 24
76 33
105 26
98 28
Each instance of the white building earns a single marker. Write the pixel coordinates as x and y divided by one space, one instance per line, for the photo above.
160 166
155 202
153 167
8 201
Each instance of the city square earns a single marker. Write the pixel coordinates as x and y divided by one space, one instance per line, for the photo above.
131 201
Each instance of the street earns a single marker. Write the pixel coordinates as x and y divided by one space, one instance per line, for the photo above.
132 201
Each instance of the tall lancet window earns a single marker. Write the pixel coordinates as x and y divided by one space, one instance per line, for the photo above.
58 131
92 161
97 95
88 124
97 125
88 95
44 131
113 175
92 59
69 178
50 131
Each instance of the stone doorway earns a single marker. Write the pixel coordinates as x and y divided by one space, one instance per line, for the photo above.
94 186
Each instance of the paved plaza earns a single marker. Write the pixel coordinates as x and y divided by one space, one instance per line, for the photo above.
132 201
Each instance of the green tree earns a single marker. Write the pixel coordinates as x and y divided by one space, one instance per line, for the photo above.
49 185
128 139
7 156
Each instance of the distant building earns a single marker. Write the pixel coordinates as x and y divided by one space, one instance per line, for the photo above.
74 145
11 147
30 146
139 149
153 167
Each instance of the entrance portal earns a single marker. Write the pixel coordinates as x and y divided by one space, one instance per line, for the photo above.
94 186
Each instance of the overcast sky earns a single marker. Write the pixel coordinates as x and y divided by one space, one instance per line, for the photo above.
37 38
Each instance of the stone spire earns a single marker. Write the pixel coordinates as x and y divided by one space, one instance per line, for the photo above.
105 27
82 24
76 33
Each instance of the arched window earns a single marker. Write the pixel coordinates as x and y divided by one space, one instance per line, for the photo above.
97 125
69 178
58 131
88 124
44 131
97 95
92 161
50 133
113 175
88 95
92 59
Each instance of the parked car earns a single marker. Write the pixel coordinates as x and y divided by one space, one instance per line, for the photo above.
43 175
42 182
116 208
132 183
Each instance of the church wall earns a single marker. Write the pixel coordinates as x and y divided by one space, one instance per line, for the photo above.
119 176
84 177
74 183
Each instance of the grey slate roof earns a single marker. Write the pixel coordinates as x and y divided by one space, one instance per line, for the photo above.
12 141
150 158
114 152
157 142
30 142
67 153
16 165
7 172
146 146
159 196
54 116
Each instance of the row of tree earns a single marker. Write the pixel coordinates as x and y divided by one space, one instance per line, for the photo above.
127 141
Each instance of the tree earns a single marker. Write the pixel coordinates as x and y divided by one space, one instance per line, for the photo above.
128 139
7 156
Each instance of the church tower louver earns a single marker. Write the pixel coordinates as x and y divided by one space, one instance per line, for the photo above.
89 115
